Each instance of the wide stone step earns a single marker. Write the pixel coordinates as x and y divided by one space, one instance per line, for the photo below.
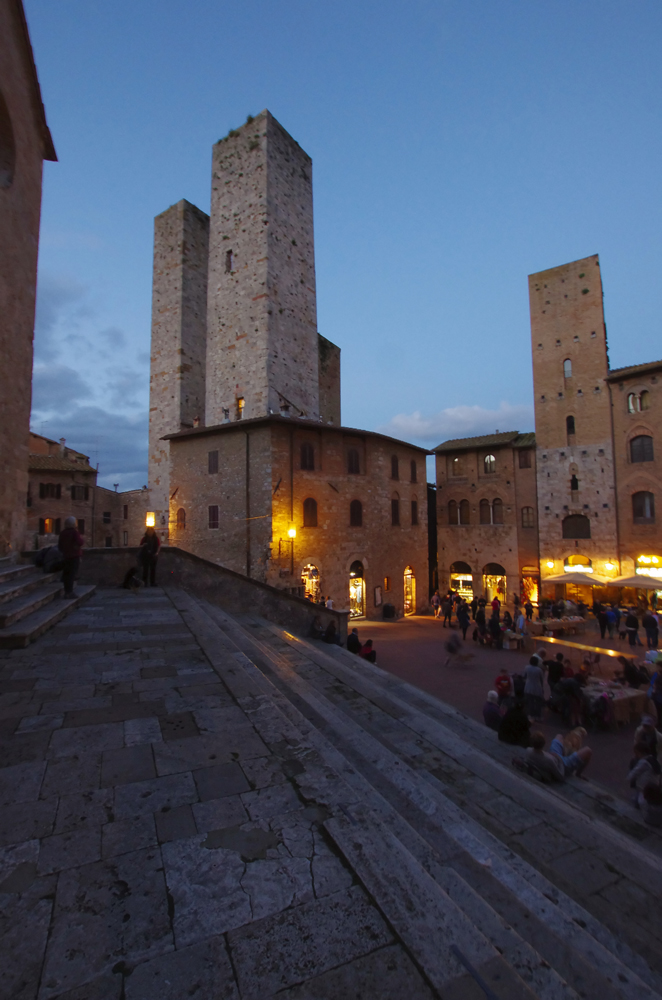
24 584
12 571
25 631
585 951
20 607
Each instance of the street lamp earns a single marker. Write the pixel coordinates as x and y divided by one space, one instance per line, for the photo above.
150 519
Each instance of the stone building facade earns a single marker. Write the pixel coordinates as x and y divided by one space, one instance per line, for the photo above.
25 142
487 537
249 463
306 507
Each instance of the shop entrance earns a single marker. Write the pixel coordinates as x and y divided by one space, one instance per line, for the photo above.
410 592
310 578
494 582
356 590
462 580
530 584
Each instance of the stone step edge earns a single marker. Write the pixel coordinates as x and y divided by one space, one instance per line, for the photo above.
250 683
394 692
20 635
14 571
10 591
600 948
27 603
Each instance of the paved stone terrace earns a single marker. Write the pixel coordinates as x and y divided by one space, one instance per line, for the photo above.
152 842
199 806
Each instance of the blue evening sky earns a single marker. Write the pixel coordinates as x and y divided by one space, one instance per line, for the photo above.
458 146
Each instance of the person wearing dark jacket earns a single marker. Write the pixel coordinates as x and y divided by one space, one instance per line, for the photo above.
632 628
463 618
70 545
149 553
353 642
491 712
515 726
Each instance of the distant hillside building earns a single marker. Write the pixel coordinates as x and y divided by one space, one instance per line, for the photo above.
25 142
248 462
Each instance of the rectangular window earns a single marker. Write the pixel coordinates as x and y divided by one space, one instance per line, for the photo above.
49 525
212 462
125 511
395 512
109 542
387 584
50 491
80 524
213 516
414 512
105 517
125 537
525 458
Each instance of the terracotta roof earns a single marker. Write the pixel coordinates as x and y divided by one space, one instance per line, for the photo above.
55 463
511 438
616 374
275 418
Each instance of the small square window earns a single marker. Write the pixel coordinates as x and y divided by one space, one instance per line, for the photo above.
106 517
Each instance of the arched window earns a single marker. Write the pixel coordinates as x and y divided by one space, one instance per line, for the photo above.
181 519
307 456
528 517
567 368
644 400
465 510
413 470
643 508
457 467
633 403
489 463
353 465
641 448
452 512
485 512
497 511
414 511
394 467
574 484
310 513
570 428
576 526
395 510
356 514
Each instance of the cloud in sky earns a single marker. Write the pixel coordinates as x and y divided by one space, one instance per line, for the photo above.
458 421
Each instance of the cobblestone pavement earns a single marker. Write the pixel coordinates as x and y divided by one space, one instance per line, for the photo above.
152 842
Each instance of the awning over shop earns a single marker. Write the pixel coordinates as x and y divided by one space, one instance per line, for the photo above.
639 580
586 579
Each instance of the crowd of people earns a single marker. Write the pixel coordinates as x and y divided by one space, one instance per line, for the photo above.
490 623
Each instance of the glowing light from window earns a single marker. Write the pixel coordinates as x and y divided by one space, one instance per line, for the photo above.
150 519
578 569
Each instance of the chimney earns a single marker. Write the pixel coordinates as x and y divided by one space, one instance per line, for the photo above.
62 443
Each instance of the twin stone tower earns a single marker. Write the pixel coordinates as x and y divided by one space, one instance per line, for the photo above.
234 312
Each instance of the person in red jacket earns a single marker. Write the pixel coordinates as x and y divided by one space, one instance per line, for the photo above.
70 545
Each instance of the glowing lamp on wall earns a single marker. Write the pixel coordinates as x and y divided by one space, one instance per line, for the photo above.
550 564
609 565
292 532
150 519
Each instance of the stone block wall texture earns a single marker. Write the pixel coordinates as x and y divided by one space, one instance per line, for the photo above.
508 544
231 591
567 323
633 477
179 332
329 381
254 522
262 312
24 143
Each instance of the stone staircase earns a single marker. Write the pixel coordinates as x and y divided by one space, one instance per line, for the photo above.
31 602
497 886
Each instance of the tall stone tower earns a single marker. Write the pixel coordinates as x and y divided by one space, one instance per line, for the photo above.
179 333
575 462
262 341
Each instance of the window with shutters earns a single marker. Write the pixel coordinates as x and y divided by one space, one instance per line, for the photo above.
307 456
528 519
452 512
413 471
395 511
181 519
105 517
356 514
212 462
465 512
414 512
353 464
570 429
525 458
643 508
641 448
395 474
125 511
576 526
485 512
497 511
310 513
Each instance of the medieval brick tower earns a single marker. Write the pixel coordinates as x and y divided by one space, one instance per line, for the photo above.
234 314
575 462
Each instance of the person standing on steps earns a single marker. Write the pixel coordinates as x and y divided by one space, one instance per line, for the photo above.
149 553
70 545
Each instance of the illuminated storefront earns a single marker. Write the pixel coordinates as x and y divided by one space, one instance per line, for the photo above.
649 566
356 590
530 584
494 582
461 580
310 578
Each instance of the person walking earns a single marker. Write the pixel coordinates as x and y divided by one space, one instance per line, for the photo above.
447 610
474 607
149 553
528 607
435 601
70 545
534 694
463 618
650 623
632 628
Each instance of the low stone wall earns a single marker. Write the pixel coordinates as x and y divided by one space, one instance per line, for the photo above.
233 592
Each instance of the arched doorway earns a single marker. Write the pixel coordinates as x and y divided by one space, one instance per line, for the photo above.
410 592
356 590
461 580
494 582
312 586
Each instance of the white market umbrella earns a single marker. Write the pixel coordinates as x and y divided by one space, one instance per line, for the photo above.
587 579
641 582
